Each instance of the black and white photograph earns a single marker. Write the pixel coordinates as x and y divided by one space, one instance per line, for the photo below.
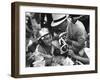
54 39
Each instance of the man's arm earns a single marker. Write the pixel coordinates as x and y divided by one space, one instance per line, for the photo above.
79 43
84 59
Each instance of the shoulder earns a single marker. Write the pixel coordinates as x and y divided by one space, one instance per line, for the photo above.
79 26
79 30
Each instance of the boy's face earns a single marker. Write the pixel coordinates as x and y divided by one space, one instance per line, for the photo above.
47 39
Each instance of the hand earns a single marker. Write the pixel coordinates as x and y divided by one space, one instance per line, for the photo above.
71 53
68 41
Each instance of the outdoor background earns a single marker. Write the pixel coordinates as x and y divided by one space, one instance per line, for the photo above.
5 40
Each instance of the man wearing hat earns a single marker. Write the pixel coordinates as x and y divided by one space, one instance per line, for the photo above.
76 36
44 51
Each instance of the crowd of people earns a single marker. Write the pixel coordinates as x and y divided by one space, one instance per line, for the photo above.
56 39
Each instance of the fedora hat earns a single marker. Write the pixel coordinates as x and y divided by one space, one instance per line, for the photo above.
58 19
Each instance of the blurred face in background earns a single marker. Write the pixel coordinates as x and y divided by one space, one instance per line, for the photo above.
47 39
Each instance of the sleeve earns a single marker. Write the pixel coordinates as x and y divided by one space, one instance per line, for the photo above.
81 37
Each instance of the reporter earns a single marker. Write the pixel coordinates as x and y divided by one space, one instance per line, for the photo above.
75 36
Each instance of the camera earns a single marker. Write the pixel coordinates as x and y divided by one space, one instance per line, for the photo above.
63 46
